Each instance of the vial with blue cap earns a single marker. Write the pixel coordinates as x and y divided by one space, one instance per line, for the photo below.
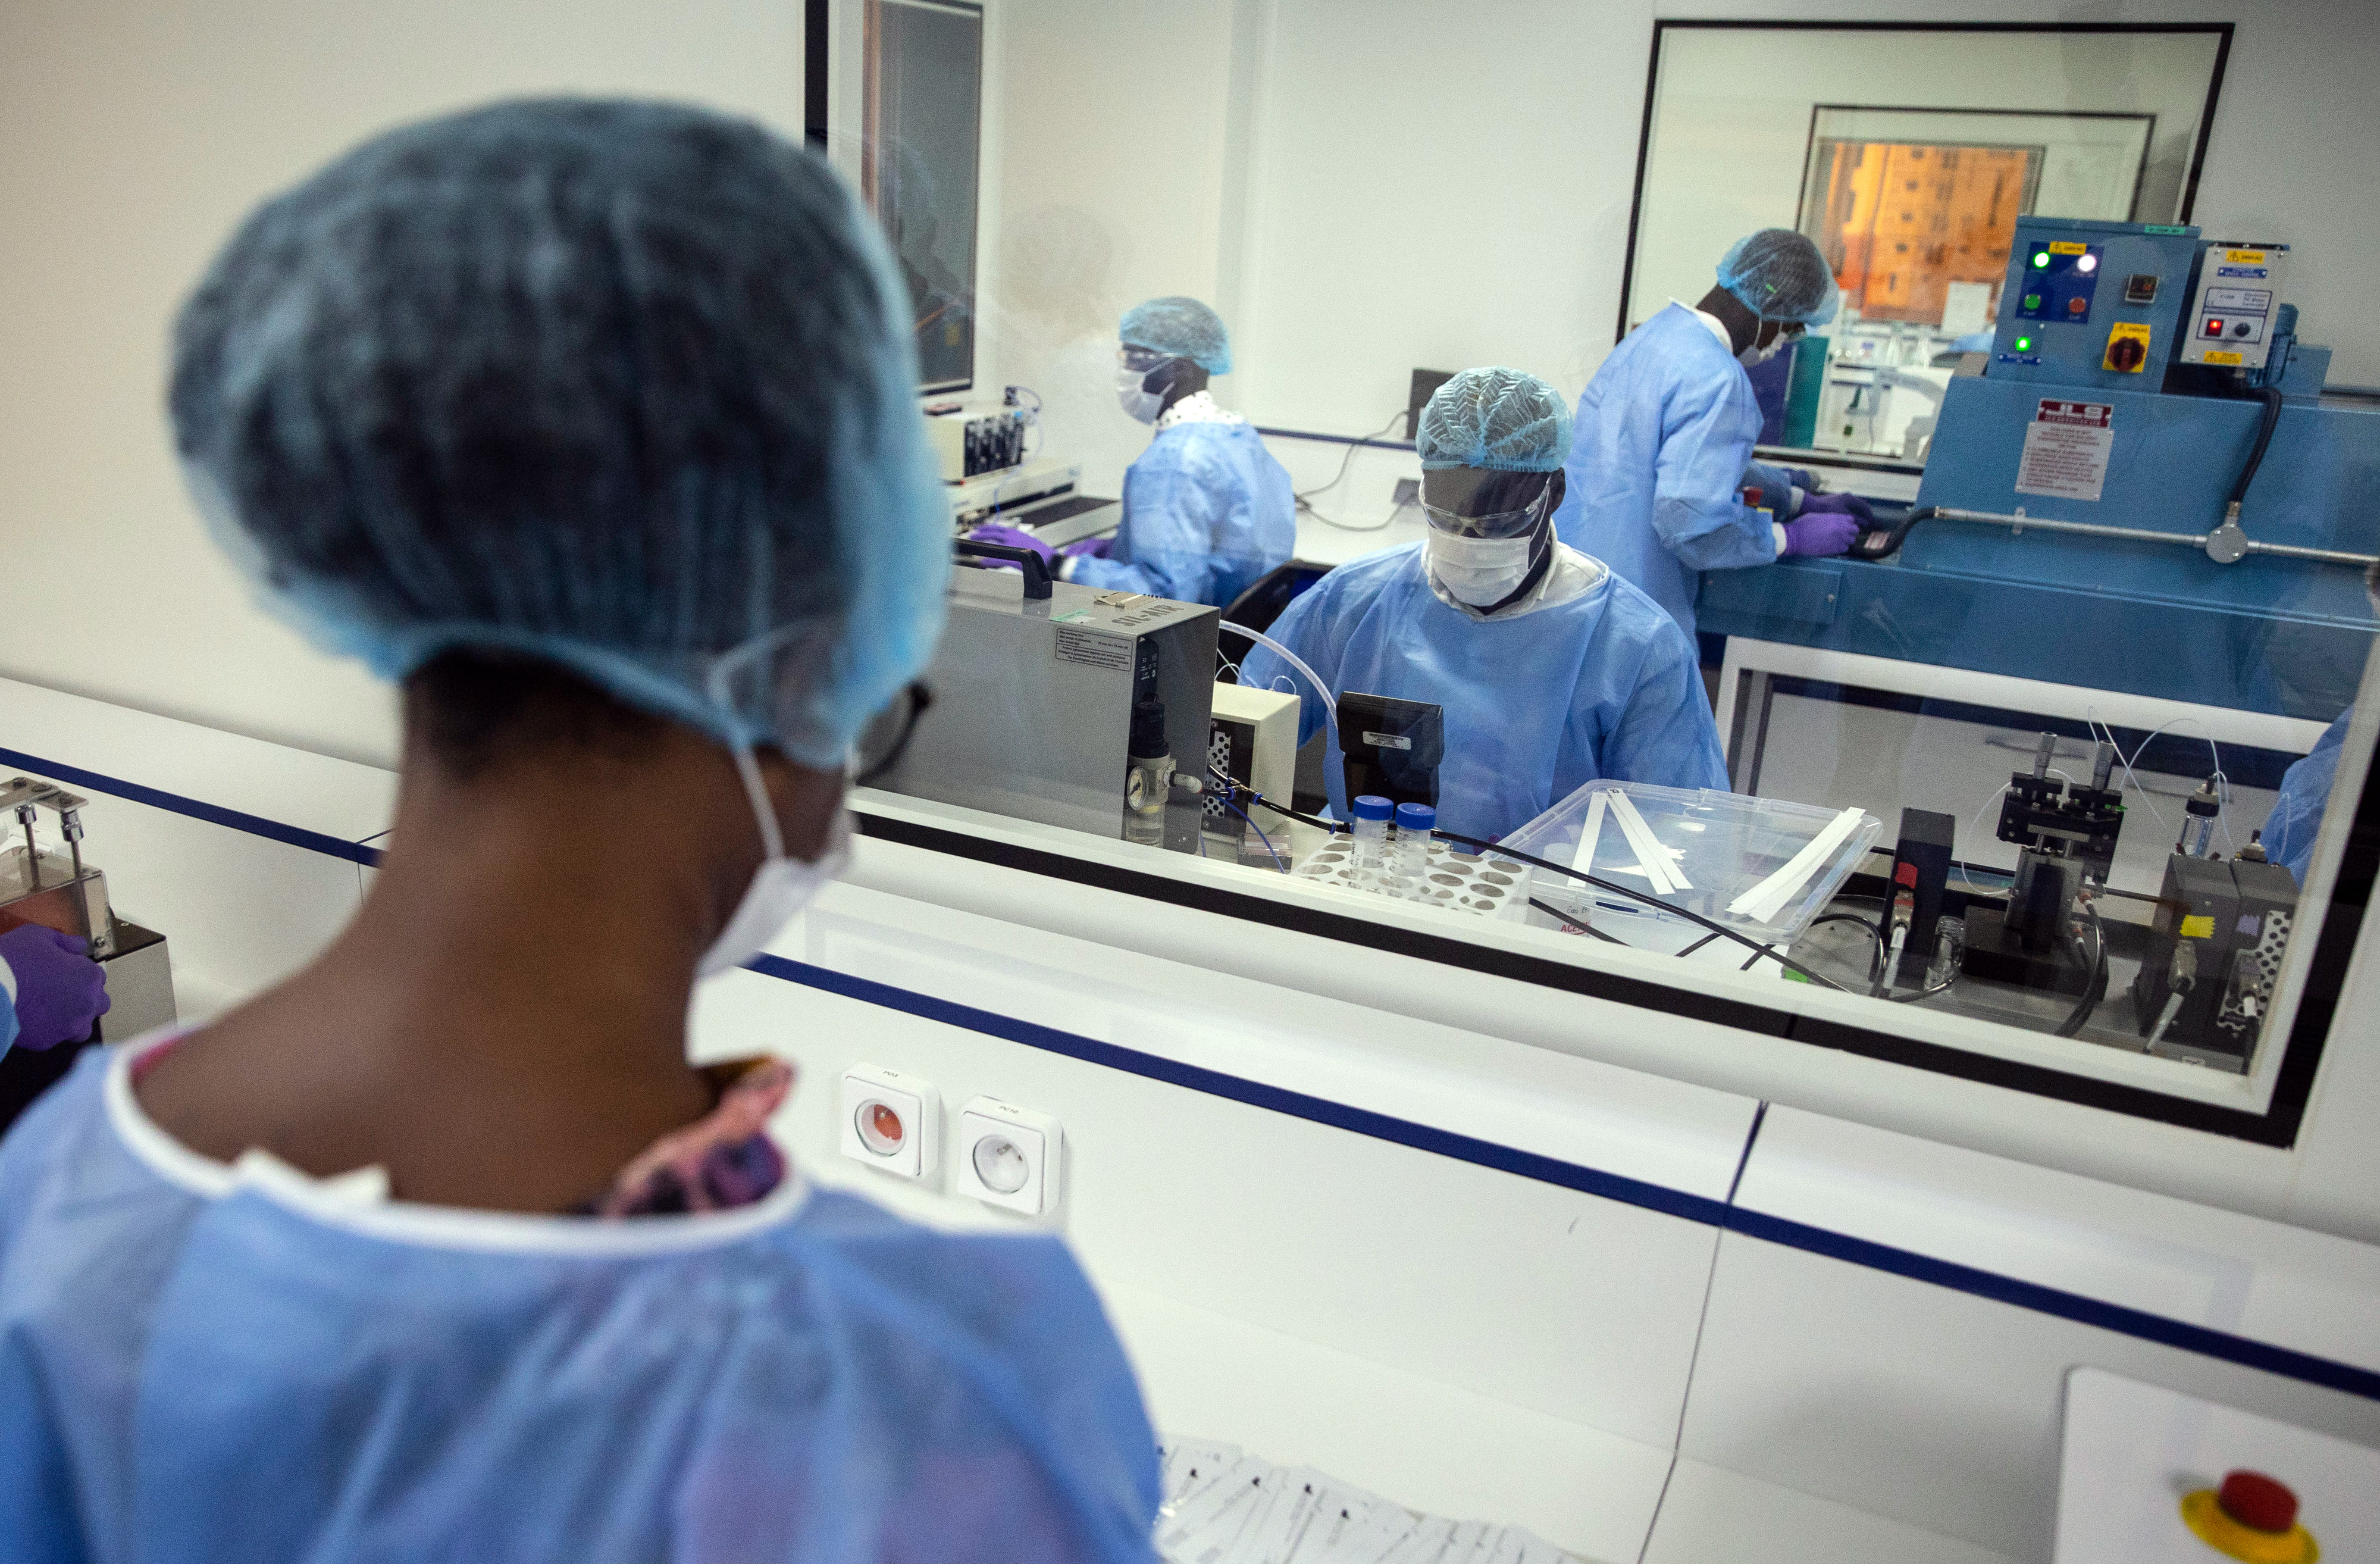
1409 855
1370 826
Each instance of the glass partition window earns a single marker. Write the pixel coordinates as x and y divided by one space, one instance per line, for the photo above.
2038 764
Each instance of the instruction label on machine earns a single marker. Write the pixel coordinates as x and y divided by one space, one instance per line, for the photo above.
1094 649
2066 450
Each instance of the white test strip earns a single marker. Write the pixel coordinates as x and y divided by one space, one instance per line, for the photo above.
1583 861
1659 867
1768 898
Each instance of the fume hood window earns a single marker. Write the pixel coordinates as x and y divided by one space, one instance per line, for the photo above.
923 110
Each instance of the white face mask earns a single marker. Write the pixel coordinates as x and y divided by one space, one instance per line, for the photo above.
1752 356
1479 570
1139 405
780 887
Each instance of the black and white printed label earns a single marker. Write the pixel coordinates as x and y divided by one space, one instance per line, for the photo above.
2066 449
1094 649
1388 741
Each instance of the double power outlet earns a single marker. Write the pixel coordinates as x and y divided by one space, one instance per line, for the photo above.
1008 1157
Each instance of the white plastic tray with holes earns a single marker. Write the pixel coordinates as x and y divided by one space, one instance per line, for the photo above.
1463 881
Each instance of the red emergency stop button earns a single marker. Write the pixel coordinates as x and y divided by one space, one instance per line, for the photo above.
2256 1501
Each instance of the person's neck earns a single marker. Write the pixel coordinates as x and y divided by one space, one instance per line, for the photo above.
1742 325
503 1024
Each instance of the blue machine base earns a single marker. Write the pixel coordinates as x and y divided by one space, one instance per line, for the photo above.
2100 638
2264 634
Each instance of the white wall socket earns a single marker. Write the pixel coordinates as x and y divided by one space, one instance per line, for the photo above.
1009 1156
891 1121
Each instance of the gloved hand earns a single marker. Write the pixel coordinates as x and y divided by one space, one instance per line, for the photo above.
1817 532
1015 537
61 992
1087 548
1840 505
1803 479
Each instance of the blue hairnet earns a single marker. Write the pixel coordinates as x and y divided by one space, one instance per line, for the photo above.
1780 275
1494 418
623 386
1182 327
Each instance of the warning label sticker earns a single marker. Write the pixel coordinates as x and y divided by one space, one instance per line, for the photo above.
1093 649
2066 450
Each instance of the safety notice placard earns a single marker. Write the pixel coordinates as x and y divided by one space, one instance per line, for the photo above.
2066 450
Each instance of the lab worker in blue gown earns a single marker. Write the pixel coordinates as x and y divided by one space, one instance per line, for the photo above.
1656 477
1552 670
593 425
2298 810
1206 509
2290 832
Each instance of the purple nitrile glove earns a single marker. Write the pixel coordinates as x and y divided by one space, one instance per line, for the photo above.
1013 537
1087 548
1827 531
61 992
1840 505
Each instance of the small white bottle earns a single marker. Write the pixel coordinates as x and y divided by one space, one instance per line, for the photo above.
1410 852
1371 814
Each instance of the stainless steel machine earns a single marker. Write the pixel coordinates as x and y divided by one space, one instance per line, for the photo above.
1068 705
59 891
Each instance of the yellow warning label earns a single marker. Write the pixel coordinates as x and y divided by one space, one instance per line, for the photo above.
2242 255
2198 928
2128 347
2067 247
2215 358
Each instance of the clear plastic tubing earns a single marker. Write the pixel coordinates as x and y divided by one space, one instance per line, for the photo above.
1410 857
1371 814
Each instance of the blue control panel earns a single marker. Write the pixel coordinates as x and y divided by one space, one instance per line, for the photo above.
2091 303
2059 278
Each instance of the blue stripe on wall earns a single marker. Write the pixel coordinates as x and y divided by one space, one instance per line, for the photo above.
1297 1105
213 814
2135 1322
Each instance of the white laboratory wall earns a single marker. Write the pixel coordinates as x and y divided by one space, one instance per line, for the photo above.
1431 187
132 137
1369 188
1732 130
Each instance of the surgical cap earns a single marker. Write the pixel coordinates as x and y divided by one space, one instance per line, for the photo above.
1780 275
621 385
1498 419
1182 327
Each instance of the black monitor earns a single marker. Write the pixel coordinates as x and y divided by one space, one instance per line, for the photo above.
1424 386
1392 747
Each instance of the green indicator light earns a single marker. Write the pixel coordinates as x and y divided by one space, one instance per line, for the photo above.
2040 258
2033 301
2024 344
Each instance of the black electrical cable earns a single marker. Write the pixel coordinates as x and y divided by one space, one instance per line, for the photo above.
1631 892
1305 497
2272 400
1570 922
1475 845
2095 985
1877 952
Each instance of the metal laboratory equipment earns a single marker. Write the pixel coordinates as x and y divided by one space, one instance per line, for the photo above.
57 888
2144 490
1037 686
2065 836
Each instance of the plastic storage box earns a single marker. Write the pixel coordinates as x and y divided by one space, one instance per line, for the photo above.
1761 867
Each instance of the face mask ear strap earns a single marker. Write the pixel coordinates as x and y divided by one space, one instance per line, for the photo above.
772 837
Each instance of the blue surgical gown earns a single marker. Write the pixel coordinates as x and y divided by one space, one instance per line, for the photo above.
1601 685
1665 428
187 1377
2296 819
1206 512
